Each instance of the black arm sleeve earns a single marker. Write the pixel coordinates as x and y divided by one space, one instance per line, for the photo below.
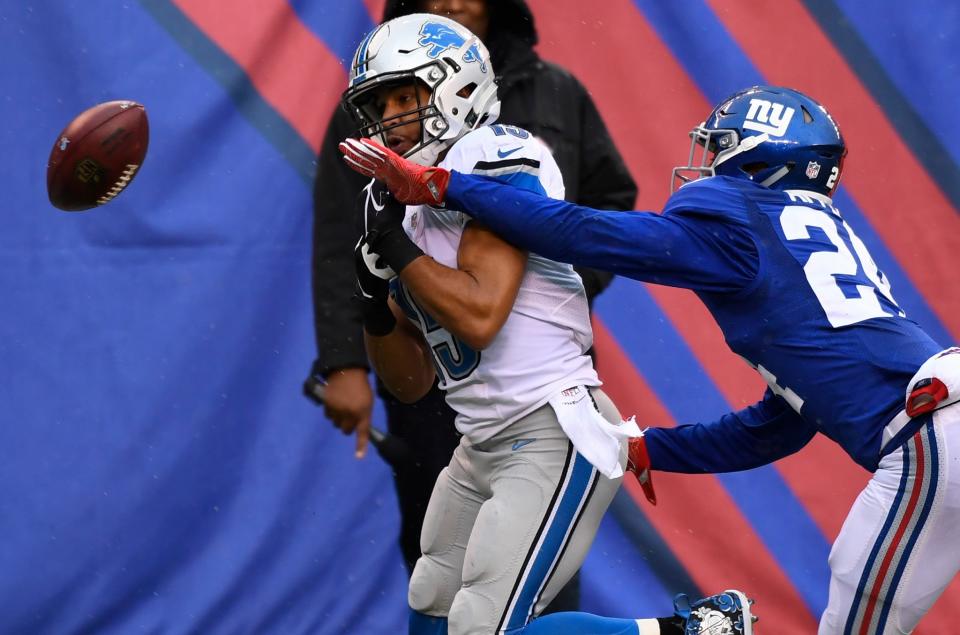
605 182
337 320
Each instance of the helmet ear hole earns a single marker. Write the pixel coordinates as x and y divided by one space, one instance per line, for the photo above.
807 117
755 167
467 90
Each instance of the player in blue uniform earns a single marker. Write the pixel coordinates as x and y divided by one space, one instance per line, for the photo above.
798 296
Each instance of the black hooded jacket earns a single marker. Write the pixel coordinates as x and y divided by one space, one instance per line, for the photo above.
535 95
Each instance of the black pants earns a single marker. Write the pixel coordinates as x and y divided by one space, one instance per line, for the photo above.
427 429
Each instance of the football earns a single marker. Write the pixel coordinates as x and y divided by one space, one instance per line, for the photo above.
97 155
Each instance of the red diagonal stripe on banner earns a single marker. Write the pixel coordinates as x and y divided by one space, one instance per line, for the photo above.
375 9
287 64
650 104
907 209
696 516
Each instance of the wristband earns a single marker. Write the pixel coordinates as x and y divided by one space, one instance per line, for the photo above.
396 249
378 319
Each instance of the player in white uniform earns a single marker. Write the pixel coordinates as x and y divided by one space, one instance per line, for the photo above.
543 448
540 349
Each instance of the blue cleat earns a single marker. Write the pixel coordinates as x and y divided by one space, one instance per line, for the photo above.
726 613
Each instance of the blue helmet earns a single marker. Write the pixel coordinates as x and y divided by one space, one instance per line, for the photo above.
775 136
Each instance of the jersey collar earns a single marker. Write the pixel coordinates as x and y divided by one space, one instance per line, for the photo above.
817 196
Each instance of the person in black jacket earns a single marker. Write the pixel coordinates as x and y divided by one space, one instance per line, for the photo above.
535 95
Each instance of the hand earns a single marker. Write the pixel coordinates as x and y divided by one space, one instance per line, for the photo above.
383 233
348 403
373 274
638 462
382 224
410 183
373 290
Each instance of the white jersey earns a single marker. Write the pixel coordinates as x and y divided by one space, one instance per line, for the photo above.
542 346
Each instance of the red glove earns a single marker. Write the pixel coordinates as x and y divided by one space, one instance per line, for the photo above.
638 462
410 183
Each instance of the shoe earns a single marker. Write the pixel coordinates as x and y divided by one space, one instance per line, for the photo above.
726 613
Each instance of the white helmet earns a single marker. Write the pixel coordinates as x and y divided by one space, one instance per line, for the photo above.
442 54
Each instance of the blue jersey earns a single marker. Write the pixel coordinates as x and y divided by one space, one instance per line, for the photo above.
793 289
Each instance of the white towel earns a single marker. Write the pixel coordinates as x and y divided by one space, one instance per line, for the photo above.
598 440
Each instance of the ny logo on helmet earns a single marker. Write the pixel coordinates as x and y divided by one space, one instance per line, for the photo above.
764 116
440 37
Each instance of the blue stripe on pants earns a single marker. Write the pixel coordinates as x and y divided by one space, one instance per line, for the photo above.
567 512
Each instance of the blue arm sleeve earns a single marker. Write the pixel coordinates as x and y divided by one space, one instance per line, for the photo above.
754 436
703 253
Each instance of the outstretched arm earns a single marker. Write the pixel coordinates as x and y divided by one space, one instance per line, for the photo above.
755 436
698 253
564 231
693 251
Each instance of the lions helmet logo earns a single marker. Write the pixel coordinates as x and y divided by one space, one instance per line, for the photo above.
439 37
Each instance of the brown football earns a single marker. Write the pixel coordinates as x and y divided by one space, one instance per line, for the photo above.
97 155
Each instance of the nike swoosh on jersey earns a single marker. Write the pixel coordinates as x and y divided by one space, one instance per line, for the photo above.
521 443
505 153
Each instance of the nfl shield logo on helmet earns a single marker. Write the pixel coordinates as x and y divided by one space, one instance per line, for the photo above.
813 170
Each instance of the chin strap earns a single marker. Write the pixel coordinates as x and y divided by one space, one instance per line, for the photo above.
776 176
744 146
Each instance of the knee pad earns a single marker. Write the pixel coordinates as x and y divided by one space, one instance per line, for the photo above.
472 614
431 589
